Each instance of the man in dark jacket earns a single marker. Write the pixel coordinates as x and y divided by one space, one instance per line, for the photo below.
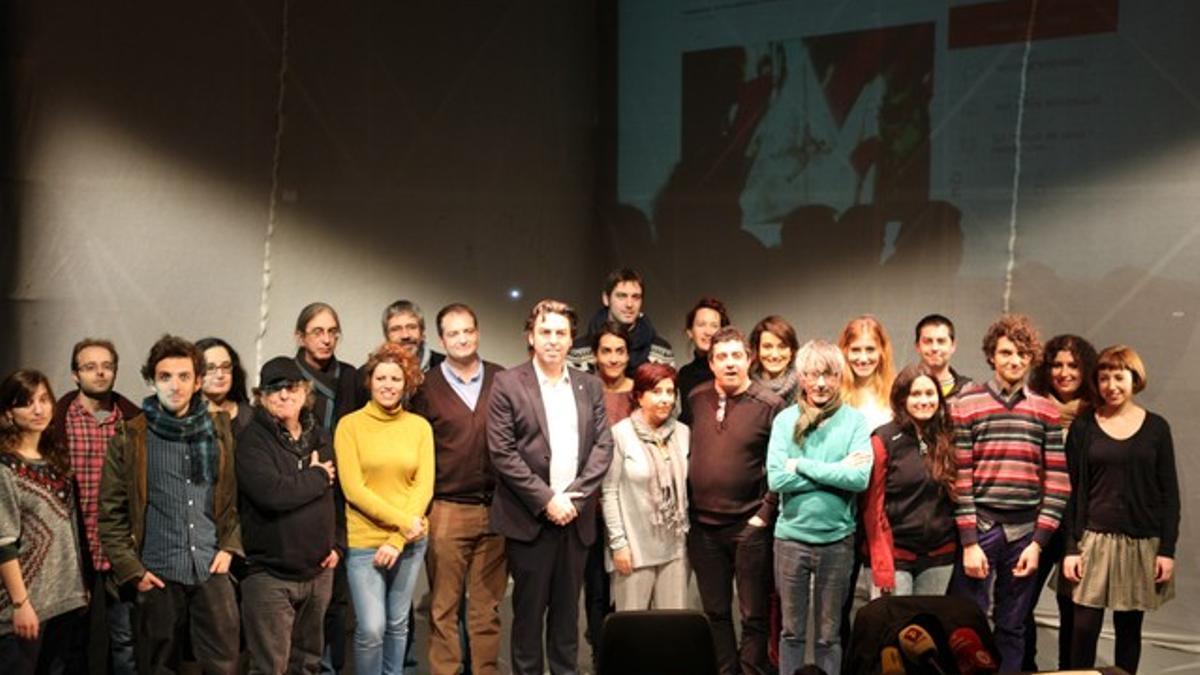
293 524
168 516
623 296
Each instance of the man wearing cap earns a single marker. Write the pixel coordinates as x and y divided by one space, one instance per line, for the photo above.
293 524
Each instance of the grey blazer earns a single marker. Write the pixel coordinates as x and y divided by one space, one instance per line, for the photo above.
519 444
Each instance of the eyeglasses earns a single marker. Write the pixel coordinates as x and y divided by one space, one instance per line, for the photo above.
218 368
92 367
332 333
814 375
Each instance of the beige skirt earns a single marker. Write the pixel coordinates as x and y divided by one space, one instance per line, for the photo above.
1118 573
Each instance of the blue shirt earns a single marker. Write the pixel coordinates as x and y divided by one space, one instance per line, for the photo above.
467 390
181 532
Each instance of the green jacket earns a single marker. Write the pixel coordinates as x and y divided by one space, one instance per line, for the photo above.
123 497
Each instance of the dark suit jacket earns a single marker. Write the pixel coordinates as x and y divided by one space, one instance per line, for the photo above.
519 443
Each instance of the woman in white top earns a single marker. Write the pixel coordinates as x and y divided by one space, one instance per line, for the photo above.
645 498
867 384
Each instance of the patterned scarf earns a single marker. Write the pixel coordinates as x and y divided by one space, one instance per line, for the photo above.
784 386
812 416
668 479
195 428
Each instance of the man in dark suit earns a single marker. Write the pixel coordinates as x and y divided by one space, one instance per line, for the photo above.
550 445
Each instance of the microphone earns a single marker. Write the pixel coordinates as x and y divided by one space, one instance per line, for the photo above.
919 647
969 653
891 663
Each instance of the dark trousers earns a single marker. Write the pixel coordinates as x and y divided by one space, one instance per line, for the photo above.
722 556
1011 593
597 600
547 575
1051 556
1127 651
109 630
284 622
333 658
58 648
167 617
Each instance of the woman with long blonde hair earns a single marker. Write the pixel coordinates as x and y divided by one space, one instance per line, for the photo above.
867 383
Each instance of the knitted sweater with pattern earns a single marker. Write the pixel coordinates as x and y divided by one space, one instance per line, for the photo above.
1011 464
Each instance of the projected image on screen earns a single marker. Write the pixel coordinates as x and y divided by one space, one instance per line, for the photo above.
811 149
838 121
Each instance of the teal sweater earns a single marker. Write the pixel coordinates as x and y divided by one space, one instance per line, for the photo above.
817 500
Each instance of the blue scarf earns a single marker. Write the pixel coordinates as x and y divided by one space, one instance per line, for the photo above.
195 428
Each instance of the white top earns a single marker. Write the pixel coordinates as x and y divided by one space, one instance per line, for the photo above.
563 420
878 413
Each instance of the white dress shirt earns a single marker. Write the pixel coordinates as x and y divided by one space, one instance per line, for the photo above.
563 420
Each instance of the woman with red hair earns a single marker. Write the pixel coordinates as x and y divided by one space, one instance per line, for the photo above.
867 383
385 465
645 497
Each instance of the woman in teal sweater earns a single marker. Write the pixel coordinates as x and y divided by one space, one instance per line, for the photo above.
819 456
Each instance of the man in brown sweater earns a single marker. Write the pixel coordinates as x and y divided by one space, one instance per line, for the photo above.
464 556
732 512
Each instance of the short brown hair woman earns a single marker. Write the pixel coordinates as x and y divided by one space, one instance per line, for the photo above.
1123 517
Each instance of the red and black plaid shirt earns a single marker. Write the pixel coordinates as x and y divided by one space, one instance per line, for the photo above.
87 440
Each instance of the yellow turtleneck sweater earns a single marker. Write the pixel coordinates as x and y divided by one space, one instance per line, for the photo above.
385 465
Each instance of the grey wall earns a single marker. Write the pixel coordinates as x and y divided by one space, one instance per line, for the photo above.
435 151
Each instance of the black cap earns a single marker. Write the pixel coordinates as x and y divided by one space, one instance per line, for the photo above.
278 372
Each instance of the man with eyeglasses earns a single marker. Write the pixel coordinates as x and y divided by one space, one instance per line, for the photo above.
335 386
732 512
293 524
84 421
335 383
404 324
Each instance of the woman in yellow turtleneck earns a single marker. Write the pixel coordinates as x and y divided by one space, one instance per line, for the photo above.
385 465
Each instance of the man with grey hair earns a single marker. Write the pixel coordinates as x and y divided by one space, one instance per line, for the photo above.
404 324
731 509
819 457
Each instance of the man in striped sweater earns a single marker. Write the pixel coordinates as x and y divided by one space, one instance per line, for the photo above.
1012 482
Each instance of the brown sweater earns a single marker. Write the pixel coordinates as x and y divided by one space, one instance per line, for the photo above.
727 477
464 468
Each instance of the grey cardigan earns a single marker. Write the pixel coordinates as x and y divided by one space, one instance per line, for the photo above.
625 498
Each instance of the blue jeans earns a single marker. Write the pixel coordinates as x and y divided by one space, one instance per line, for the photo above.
381 601
933 581
828 567
1010 595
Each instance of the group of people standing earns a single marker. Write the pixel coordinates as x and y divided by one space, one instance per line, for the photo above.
763 466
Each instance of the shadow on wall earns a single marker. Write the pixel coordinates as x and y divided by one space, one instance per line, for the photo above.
10 208
424 151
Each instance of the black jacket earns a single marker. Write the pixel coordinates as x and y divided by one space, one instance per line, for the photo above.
291 515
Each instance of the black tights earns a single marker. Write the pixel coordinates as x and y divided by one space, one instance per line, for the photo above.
1086 633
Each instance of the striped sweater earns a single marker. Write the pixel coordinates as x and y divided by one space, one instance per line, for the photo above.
1011 464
